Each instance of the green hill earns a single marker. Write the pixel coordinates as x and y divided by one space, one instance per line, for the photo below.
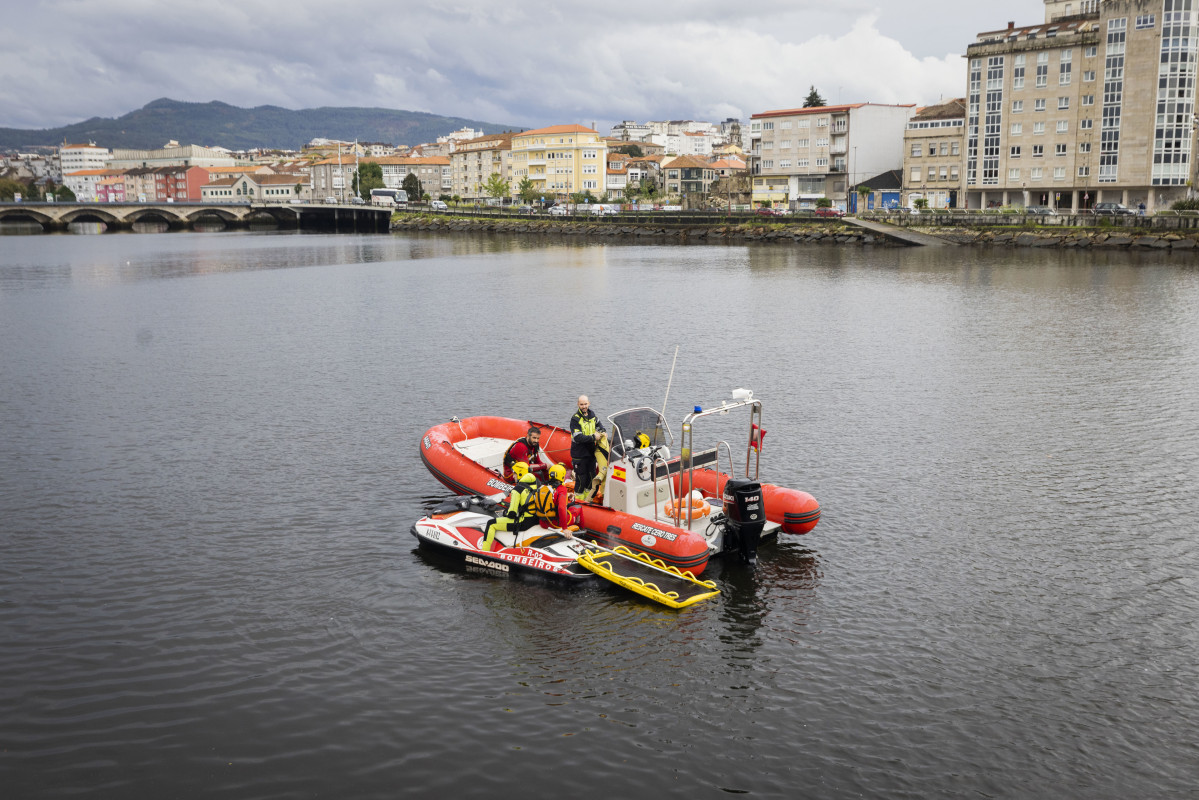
223 125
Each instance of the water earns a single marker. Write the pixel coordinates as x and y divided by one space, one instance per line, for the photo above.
209 468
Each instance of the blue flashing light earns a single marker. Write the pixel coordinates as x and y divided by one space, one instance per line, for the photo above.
698 410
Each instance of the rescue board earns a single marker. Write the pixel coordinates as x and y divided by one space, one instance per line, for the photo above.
648 577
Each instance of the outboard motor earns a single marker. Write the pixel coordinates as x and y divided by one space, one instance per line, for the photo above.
745 517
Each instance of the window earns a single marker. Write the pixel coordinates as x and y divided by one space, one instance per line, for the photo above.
801 142
944 148
1063 103
915 173
1017 128
917 151
1063 125
1059 149
1038 151
1059 173
1086 124
801 162
1042 70
944 173
1014 152
1084 172
1088 99
785 143
804 123
767 145
822 162
1090 52
822 122
1035 173
1088 76
1039 105
822 142
786 163
1148 21
765 165
767 126
955 148
1013 174
785 124
1038 128
1084 147
1018 73
1017 106
1064 66
953 173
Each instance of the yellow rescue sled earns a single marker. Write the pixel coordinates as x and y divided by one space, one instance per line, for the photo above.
649 577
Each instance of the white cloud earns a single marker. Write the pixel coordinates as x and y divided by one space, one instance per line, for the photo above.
530 63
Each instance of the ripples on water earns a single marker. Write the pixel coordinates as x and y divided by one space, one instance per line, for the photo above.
209 470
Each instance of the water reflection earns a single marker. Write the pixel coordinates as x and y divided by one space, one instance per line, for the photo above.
87 228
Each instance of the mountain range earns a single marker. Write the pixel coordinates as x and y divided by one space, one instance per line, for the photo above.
220 124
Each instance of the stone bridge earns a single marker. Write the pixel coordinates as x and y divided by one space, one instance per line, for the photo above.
183 216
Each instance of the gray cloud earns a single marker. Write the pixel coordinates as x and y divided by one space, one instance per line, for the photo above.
521 63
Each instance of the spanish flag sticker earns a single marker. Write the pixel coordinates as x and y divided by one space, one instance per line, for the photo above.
618 474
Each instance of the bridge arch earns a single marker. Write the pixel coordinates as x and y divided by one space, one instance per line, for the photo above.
26 213
96 211
224 214
164 213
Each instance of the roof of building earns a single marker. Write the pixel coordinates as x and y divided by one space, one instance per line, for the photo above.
557 129
1073 25
950 109
97 172
89 145
688 162
790 112
889 181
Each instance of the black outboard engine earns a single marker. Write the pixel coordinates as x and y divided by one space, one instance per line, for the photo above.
745 517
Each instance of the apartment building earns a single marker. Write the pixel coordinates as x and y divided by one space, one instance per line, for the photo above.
255 187
801 155
1095 104
560 160
173 155
76 157
334 177
932 155
688 176
474 161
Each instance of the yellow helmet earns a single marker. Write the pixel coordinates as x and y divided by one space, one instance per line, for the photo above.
642 440
520 469
557 473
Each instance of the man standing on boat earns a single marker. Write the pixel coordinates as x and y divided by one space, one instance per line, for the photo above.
586 431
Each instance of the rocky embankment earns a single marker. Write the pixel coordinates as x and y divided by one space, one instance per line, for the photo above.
812 233
1069 238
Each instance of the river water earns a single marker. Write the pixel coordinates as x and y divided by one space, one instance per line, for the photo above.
209 468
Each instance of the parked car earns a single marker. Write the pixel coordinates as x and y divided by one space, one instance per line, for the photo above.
767 212
438 205
829 211
559 211
1112 210
357 201
331 201
1044 211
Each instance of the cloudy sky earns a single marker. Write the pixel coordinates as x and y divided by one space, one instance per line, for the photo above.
511 62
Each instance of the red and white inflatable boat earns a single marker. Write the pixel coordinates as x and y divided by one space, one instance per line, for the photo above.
680 509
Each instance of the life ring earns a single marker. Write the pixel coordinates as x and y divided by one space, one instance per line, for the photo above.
693 506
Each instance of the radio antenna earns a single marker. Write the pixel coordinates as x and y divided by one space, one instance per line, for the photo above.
670 379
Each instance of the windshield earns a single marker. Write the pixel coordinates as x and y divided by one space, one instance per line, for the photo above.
627 424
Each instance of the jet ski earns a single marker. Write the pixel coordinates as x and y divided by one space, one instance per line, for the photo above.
458 526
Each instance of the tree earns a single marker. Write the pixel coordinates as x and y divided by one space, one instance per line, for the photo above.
814 100
412 186
630 192
457 199
824 202
368 176
10 188
527 191
63 194
628 149
649 189
863 193
496 186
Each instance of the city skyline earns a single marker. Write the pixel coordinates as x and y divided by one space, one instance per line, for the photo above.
534 63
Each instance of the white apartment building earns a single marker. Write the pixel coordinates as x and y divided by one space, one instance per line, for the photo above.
801 155
78 157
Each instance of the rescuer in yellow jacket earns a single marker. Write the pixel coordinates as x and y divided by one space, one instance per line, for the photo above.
520 515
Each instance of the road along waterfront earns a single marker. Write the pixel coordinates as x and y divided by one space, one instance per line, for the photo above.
210 466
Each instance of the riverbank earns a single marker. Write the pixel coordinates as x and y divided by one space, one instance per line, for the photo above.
1126 239
823 232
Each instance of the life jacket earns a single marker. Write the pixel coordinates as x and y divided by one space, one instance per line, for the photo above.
520 501
586 424
531 458
543 502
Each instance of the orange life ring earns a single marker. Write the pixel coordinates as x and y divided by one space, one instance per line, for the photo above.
690 506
